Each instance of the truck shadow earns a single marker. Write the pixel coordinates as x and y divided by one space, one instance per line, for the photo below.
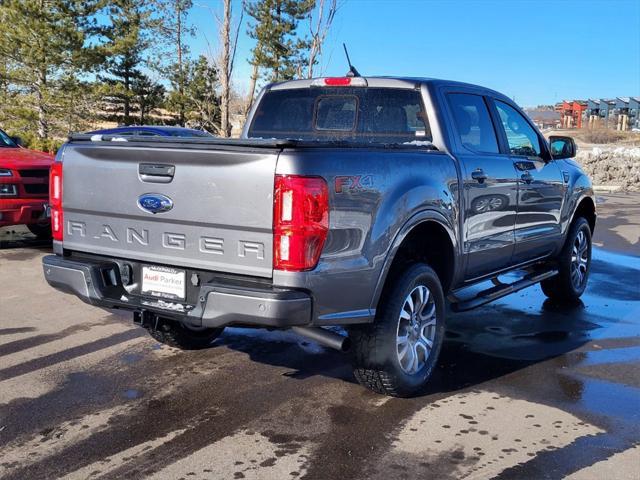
20 237
488 344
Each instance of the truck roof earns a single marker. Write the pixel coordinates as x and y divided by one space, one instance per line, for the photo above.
386 82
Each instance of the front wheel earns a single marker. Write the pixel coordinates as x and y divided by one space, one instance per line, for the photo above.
574 263
182 336
396 354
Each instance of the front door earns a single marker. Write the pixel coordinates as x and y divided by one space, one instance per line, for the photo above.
541 188
490 187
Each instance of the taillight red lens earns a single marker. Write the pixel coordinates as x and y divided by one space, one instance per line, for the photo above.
337 81
300 221
55 200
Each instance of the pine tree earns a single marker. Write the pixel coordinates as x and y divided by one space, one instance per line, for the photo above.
170 22
203 107
279 50
43 43
125 51
147 95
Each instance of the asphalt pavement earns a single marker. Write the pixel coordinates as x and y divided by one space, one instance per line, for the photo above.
525 388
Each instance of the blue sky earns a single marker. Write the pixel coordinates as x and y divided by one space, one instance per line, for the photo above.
538 52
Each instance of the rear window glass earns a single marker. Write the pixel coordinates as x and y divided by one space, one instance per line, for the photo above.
374 115
336 113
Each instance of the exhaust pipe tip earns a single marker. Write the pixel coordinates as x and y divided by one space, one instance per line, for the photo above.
324 337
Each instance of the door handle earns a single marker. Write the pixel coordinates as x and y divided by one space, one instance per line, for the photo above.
527 177
479 175
156 173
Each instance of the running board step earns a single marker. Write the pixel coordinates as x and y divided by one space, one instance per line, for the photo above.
500 290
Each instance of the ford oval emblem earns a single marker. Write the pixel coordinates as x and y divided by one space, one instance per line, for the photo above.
155 203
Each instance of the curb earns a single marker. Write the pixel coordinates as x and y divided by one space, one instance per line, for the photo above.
607 188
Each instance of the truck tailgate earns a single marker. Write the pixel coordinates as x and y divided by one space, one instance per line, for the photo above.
222 205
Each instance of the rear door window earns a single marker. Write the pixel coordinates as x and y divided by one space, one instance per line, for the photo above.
357 114
473 122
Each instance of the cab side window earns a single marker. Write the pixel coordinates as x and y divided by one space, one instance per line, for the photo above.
523 139
473 122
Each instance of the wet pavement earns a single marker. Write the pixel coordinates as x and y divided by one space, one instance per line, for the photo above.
525 388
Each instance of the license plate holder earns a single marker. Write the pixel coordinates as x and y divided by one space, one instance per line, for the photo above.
164 282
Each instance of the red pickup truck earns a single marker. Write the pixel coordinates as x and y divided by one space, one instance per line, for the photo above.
24 187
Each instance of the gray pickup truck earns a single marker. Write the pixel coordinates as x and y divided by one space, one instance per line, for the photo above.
374 204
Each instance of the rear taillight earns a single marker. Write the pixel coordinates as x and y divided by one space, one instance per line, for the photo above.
300 221
55 200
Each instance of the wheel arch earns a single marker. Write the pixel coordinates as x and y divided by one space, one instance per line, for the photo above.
586 208
407 247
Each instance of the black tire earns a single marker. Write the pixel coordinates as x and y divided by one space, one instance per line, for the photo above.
376 353
40 230
177 335
566 286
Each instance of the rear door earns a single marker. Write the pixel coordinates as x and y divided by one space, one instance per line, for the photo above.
540 186
490 186
217 204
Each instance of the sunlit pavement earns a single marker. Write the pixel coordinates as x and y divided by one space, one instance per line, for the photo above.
525 389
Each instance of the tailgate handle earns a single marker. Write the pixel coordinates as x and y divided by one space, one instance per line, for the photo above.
154 173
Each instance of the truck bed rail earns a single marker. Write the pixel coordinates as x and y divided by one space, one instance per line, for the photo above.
223 143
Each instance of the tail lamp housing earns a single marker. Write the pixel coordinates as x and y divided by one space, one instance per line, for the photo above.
300 221
55 200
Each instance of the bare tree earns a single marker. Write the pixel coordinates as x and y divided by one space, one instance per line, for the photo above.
255 74
319 26
223 59
225 62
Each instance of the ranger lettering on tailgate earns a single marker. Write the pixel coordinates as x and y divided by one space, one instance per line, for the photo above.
169 240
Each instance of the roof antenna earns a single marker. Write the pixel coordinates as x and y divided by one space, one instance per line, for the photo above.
352 70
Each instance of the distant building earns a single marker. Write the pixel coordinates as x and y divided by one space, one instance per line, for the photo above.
544 119
634 112
592 113
571 113
622 113
607 107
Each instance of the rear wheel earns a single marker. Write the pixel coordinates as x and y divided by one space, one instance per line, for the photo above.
40 230
397 353
574 263
179 335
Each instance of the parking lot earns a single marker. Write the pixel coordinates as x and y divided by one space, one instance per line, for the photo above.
525 388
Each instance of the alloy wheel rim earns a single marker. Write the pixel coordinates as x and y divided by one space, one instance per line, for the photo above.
579 260
416 330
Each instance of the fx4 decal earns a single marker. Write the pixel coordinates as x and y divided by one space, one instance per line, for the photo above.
353 183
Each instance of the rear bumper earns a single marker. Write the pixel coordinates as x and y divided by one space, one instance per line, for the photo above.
21 211
219 304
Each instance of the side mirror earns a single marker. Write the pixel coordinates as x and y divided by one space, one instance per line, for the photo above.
17 141
562 147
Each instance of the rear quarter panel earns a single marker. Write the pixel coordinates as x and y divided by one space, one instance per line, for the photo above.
374 195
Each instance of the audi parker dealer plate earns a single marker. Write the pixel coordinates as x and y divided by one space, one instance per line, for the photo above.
163 282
